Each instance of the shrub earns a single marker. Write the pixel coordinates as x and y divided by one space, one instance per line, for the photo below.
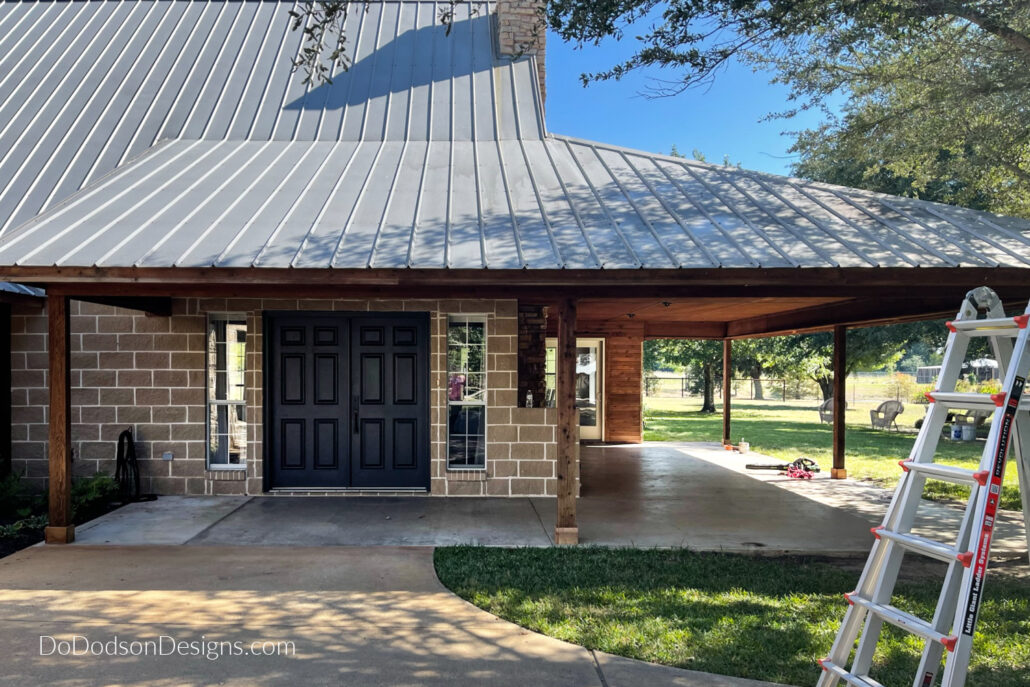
24 527
991 386
906 385
92 496
918 394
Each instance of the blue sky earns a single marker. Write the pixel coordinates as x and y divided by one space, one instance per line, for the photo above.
721 120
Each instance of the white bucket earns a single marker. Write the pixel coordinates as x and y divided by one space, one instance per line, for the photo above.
968 432
744 447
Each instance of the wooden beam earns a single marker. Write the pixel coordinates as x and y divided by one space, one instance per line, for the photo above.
840 356
727 389
864 312
5 389
60 530
494 284
566 531
824 280
151 305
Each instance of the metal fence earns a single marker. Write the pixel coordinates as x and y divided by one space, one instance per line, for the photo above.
863 386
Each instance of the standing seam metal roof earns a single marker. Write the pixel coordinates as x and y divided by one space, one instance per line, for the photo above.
428 153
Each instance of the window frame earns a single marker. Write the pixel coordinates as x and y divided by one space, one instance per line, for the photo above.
465 318
210 402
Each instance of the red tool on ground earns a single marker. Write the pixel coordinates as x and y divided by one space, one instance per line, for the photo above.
802 468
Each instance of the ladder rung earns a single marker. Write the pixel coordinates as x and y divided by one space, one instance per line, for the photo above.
947 473
967 401
922 545
906 621
850 678
1002 326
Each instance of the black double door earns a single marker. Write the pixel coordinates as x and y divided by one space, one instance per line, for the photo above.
347 400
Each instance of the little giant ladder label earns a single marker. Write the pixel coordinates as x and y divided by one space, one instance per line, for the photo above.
983 547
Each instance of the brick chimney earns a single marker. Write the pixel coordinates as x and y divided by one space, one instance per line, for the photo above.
522 30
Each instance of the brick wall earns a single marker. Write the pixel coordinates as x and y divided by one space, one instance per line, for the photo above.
146 373
522 30
532 353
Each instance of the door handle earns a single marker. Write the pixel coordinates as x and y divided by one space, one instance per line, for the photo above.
355 422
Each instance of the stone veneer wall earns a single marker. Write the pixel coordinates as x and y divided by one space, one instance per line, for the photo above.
133 371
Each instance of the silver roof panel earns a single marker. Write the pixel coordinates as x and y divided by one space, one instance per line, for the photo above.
161 133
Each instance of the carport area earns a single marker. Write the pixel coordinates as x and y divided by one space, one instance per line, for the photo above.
656 494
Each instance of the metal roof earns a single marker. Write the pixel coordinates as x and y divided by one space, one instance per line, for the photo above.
428 153
87 86
538 204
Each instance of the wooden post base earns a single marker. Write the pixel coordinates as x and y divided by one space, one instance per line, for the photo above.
838 473
566 536
59 535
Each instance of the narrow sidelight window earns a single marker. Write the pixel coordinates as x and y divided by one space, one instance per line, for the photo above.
226 387
466 392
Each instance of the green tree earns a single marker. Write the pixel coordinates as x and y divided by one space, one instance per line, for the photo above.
702 356
937 91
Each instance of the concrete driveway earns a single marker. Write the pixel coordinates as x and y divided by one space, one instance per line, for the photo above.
649 495
355 616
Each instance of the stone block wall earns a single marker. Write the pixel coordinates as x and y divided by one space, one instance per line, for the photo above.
134 371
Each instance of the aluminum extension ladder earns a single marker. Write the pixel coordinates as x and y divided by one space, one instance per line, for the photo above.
954 620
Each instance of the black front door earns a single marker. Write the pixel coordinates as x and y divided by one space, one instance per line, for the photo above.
348 400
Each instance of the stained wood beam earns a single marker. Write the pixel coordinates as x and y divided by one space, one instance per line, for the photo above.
646 330
864 312
727 388
60 530
566 531
840 356
797 281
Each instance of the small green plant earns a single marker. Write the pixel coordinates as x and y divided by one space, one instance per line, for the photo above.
918 394
991 386
92 496
25 526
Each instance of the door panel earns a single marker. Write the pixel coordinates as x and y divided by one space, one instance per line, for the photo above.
307 391
391 399
348 400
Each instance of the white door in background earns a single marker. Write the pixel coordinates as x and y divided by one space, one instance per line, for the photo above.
589 385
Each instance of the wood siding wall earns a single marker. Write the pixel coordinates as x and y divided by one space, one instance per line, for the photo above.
624 377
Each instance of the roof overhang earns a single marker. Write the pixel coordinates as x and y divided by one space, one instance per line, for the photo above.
722 303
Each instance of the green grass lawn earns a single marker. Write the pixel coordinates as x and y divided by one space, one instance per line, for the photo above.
792 429
760 618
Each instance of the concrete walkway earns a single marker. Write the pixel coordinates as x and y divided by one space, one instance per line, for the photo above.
356 616
937 520
651 495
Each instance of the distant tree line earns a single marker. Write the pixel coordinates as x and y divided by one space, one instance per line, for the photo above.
808 355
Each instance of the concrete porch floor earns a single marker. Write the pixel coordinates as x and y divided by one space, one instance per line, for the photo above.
658 494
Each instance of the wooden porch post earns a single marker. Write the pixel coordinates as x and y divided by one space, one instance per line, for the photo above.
566 531
840 356
727 361
60 530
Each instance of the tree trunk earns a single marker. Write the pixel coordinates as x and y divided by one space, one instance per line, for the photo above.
826 386
709 388
756 376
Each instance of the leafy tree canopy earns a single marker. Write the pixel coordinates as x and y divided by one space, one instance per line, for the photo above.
937 91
